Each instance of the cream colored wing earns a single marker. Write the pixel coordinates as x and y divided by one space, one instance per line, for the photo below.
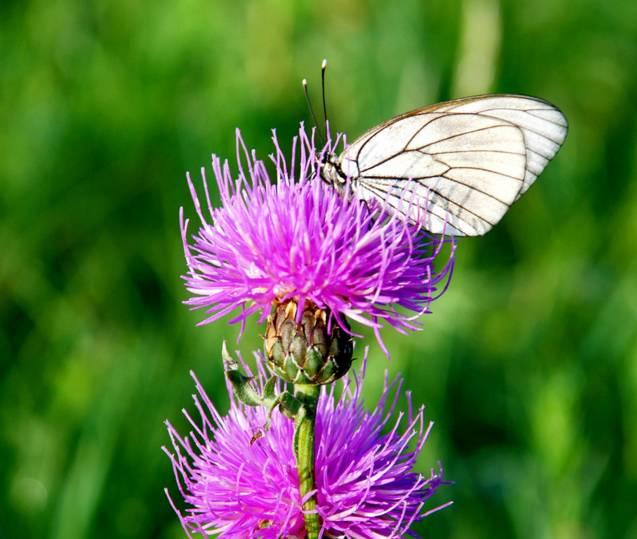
458 166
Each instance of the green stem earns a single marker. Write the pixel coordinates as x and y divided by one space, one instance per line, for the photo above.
304 451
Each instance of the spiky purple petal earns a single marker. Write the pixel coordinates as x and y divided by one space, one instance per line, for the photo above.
298 238
366 485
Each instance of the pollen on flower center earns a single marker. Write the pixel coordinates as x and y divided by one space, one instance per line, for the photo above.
283 290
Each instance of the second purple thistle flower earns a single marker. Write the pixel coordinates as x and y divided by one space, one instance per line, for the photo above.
296 240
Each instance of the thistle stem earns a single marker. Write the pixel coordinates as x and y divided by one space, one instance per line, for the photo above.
304 426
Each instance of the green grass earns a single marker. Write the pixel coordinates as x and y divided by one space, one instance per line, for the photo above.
528 364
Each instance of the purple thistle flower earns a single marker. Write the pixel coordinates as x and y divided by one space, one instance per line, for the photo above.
237 487
299 239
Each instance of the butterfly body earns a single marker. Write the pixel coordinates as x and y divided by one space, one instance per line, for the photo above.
331 172
455 167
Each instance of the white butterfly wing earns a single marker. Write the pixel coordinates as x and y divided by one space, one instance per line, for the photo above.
458 165
543 125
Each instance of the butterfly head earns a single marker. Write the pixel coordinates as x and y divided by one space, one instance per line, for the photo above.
331 173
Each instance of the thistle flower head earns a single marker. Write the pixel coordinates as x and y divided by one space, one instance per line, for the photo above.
298 239
235 486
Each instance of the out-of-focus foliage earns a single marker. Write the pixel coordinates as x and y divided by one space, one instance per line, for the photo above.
528 364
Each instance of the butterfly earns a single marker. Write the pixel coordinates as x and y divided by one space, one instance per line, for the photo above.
455 167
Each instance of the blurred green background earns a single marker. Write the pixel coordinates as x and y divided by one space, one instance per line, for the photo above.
528 364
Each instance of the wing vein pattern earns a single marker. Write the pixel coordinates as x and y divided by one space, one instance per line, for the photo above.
462 163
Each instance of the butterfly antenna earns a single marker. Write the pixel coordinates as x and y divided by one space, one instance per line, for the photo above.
309 106
323 70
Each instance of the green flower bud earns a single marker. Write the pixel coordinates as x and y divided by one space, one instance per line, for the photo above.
305 353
